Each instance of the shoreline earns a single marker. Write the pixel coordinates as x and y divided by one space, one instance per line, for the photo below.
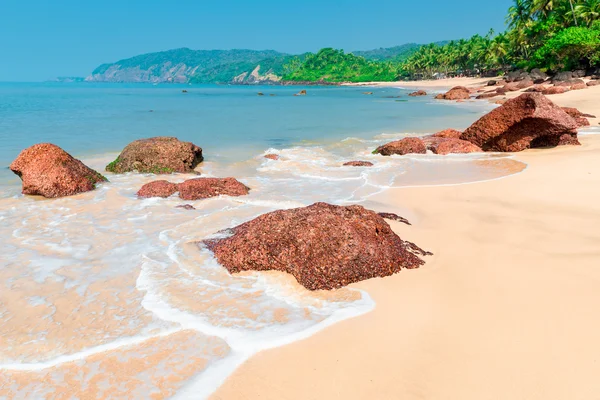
512 258
585 100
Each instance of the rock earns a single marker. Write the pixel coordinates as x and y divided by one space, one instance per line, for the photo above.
539 81
579 73
404 146
524 84
537 75
203 188
580 117
521 123
368 93
49 171
553 141
394 217
418 93
593 83
492 83
516 76
569 83
323 246
260 94
272 156
536 89
445 146
579 86
157 155
358 164
555 90
456 93
184 91
511 87
487 95
301 93
501 101
159 188
562 76
186 206
448 133
439 96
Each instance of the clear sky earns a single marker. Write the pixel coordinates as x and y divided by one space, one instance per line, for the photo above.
43 39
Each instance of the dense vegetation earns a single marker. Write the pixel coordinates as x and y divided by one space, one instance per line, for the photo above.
552 35
330 65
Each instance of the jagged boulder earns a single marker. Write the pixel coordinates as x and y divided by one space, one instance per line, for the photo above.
527 121
157 155
49 171
401 147
323 246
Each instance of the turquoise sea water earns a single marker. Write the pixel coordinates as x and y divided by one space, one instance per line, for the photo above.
230 123
106 295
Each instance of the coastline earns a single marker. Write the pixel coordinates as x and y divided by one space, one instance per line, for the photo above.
585 100
504 308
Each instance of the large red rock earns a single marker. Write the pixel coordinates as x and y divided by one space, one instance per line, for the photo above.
443 146
157 155
323 246
456 93
202 188
521 123
448 133
49 171
160 188
401 147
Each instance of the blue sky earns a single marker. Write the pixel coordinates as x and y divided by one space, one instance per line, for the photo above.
42 39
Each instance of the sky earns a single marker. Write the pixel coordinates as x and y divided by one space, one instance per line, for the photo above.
43 39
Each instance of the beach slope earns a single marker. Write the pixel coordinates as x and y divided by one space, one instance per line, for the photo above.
506 309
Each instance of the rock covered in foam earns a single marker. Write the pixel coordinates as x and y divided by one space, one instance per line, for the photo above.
160 188
323 246
157 155
401 147
49 171
358 164
521 123
202 188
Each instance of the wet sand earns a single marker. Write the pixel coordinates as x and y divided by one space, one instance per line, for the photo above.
506 309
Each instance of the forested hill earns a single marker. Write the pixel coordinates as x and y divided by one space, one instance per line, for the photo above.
196 66
222 66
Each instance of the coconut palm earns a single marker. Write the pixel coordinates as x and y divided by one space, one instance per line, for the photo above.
588 11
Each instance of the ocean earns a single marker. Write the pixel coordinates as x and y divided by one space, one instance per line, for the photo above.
107 295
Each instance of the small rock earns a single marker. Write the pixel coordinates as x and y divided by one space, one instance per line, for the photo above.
203 188
555 90
404 146
301 93
272 156
448 133
186 206
358 164
368 93
456 93
159 188
418 93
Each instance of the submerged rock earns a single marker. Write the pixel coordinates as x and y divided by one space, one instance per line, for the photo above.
358 164
323 246
456 93
272 156
418 93
157 155
49 171
521 123
203 188
160 188
401 147
301 93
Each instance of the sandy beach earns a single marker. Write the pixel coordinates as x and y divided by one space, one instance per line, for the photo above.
505 309
586 100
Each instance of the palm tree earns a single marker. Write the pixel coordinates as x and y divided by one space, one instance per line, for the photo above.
589 11
519 14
